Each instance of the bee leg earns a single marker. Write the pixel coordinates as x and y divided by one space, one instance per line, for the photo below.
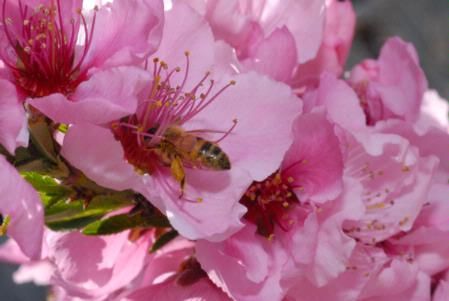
177 171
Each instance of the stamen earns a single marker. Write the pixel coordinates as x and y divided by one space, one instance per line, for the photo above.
43 62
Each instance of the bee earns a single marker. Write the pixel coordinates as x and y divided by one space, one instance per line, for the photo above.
180 148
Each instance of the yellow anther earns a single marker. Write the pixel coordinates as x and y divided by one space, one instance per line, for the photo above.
290 180
378 205
26 22
78 11
199 200
155 60
186 53
285 204
270 237
177 69
233 82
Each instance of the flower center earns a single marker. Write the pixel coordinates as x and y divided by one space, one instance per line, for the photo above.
43 50
155 134
269 203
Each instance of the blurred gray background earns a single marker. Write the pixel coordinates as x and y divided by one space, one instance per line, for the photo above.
422 22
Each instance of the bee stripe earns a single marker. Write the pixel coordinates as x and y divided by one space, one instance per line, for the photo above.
205 147
216 151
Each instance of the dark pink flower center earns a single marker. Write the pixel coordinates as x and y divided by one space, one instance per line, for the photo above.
43 59
269 203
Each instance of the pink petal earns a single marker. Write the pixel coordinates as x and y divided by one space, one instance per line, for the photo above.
340 101
418 291
19 201
244 266
108 95
125 32
396 184
430 249
392 280
186 30
13 121
396 79
434 111
202 290
112 262
231 24
39 272
314 160
96 153
263 109
331 57
320 246
304 19
275 56
211 210
348 285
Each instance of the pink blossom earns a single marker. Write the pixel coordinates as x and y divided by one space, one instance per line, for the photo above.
21 205
334 50
249 267
396 184
208 205
393 86
85 82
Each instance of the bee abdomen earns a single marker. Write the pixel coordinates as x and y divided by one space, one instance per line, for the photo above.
213 157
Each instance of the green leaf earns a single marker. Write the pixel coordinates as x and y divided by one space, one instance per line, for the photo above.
114 224
122 222
50 191
163 240
68 216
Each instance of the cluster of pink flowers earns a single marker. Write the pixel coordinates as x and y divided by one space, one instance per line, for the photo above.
233 121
